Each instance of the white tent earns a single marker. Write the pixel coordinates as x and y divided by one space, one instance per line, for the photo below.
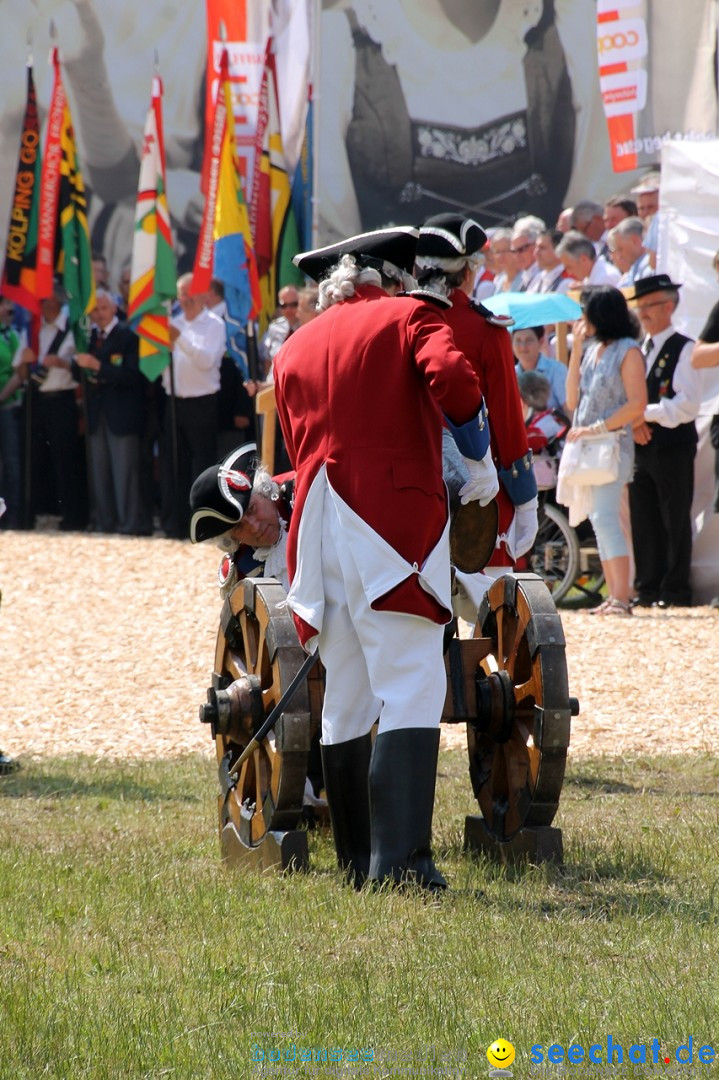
688 242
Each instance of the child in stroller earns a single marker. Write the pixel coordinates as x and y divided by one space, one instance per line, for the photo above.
546 428
564 557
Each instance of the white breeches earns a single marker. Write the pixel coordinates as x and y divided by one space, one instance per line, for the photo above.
380 664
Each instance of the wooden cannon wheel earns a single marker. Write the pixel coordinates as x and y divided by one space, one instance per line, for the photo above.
518 741
257 807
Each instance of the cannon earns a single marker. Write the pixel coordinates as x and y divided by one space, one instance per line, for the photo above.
507 683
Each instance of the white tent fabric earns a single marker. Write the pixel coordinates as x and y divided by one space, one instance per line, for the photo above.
688 241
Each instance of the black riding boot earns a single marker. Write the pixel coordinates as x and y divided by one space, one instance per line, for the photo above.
345 766
402 776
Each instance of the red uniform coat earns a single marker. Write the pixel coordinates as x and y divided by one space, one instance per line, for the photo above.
489 350
361 390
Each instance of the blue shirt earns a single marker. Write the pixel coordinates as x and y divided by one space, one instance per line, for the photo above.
556 372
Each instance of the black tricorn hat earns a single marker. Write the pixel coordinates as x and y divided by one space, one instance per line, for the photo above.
396 245
221 494
450 236
655 283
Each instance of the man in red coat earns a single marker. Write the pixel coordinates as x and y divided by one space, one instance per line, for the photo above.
361 393
446 252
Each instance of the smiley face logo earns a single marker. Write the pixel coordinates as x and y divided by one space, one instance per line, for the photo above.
500 1054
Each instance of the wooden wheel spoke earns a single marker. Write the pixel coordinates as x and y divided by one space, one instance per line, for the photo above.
259 793
500 617
242 781
269 699
249 639
507 636
520 629
531 688
235 666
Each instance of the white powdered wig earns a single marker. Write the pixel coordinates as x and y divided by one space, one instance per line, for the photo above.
340 284
263 484
433 271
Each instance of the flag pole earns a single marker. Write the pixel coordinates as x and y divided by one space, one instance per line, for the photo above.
34 344
27 515
253 368
174 446
91 500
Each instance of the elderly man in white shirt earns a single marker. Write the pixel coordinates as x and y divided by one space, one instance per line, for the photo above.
626 244
54 414
524 237
192 413
582 263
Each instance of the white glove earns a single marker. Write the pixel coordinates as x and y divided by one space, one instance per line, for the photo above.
483 483
525 526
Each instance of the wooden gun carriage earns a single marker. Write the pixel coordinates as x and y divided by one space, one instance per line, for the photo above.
507 683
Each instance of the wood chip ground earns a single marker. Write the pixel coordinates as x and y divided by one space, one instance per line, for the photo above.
107 644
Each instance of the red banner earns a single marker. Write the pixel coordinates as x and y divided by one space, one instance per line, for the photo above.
242 28
202 270
19 273
50 187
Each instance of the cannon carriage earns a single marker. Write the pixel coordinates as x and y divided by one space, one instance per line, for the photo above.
507 682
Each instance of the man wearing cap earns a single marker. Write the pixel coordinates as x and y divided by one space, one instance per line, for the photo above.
445 260
660 495
361 392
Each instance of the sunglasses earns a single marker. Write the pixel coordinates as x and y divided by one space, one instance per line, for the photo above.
520 249
292 303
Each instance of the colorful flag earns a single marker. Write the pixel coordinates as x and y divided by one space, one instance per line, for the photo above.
154 272
225 250
271 214
19 279
65 250
76 252
303 180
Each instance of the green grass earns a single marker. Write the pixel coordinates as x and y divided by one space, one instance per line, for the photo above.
126 950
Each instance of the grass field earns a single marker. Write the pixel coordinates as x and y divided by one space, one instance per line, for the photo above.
126 950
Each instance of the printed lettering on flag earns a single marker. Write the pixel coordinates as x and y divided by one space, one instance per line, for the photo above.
19 281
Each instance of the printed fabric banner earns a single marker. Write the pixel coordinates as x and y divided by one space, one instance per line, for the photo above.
154 273
242 28
19 274
657 75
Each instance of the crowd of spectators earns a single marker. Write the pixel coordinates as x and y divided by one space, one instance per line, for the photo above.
85 436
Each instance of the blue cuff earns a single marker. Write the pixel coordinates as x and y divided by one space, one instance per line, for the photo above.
518 480
472 438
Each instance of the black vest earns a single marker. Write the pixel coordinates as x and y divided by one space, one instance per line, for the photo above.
660 385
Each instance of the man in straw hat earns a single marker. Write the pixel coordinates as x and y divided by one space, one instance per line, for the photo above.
361 392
